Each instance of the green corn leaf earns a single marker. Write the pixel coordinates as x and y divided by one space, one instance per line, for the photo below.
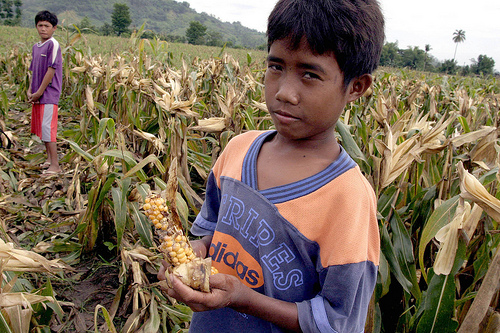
79 150
153 323
383 277
439 218
464 123
109 124
142 225
352 147
386 200
4 327
120 208
107 319
121 154
390 254
160 183
150 159
104 190
403 248
439 300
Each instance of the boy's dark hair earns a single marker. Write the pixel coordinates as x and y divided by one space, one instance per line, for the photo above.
45 15
352 29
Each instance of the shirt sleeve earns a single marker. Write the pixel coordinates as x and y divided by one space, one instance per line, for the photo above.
206 220
347 282
54 50
343 302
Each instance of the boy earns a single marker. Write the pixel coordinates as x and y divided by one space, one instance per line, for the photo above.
289 220
45 87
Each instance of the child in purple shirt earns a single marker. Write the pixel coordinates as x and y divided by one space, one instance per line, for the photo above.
45 87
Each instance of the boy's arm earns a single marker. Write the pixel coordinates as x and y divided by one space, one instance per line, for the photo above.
45 82
29 88
228 291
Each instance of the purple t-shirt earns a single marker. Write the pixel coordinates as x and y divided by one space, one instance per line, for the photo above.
47 55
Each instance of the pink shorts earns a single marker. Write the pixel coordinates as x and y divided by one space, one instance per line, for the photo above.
44 121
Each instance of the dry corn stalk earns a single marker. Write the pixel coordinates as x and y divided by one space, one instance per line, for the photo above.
161 210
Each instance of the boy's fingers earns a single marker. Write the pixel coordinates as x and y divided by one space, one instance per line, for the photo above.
163 268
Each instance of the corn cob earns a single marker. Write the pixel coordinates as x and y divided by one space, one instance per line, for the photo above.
161 210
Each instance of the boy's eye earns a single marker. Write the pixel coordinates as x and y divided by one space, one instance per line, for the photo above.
309 75
274 67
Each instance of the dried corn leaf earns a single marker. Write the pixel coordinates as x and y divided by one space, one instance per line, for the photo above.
25 300
18 318
211 125
448 237
22 260
487 150
472 189
472 136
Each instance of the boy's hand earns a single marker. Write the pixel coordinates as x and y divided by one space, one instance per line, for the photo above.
33 98
226 290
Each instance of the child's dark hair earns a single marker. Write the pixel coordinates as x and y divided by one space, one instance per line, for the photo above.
352 29
45 15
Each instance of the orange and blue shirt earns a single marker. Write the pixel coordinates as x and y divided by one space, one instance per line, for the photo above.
314 242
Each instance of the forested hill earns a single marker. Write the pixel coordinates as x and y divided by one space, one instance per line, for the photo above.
161 16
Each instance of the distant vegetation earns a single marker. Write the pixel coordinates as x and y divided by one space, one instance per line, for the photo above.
418 59
167 19
21 39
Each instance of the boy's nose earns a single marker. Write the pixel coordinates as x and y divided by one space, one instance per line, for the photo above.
287 91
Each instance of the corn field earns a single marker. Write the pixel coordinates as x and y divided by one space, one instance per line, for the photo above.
428 145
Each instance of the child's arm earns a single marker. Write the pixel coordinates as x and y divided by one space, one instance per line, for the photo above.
29 88
45 82
228 291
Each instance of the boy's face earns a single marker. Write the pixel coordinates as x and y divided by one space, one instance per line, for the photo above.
304 92
45 30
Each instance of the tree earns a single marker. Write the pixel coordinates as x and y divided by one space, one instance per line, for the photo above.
214 38
120 18
458 37
390 55
413 57
449 67
86 25
106 29
196 33
10 12
483 65
427 49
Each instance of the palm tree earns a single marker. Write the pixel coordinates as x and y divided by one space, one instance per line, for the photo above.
458 37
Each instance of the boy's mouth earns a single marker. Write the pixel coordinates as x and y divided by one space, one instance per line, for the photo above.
283 116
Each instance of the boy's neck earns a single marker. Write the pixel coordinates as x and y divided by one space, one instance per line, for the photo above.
283 161
325 145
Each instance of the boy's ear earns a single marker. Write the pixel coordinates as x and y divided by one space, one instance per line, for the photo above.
358 86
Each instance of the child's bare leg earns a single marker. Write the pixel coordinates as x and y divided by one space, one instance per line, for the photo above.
52 156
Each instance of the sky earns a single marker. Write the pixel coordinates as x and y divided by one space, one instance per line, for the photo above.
409 23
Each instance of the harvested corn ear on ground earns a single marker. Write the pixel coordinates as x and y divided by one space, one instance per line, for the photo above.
161 210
